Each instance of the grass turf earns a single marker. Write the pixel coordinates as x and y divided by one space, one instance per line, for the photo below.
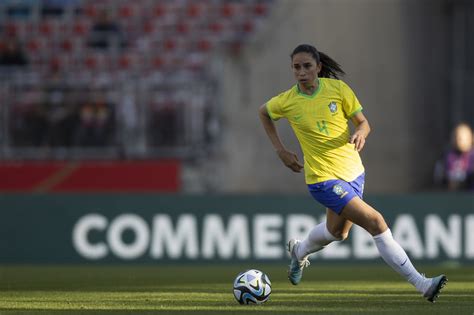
190 289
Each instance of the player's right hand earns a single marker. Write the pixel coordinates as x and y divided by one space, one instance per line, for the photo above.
291 161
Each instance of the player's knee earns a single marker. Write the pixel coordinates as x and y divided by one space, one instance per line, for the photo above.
378 224
340 235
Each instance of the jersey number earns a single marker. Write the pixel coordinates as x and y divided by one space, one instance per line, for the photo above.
323 127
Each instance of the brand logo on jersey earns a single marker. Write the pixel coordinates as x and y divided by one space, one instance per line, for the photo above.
333 107
339 190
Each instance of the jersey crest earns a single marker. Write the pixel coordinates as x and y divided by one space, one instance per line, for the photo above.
333 107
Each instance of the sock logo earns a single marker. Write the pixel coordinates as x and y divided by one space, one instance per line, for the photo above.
403 263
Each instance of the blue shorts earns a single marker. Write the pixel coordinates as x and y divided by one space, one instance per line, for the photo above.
336 193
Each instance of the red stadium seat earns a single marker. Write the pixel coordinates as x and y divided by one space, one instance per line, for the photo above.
19 29
45 28
182 28
193 10
11 29
158 62
216 27
91 10
170 44
34 45
126 11
131 10
125 62
227 10
66 45
80 28
91 62
248 26
260 9
159 10
100 61
204 45
59 63
149 27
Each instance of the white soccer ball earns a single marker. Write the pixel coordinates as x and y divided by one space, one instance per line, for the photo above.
252 286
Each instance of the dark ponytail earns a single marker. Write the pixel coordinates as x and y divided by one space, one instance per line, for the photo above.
330 68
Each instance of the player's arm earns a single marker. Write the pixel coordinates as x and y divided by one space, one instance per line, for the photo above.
289 158
361 131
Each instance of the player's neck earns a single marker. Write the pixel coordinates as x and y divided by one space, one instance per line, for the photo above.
310 88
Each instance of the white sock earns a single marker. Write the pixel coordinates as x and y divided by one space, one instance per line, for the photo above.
396 257
317 239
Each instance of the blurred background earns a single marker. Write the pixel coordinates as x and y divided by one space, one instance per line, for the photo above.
161 96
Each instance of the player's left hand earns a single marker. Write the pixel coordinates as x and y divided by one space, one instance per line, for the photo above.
358 140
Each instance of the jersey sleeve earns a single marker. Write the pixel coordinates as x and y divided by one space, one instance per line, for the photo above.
274 108
350 103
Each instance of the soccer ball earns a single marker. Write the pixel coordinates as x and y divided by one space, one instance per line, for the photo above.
252 286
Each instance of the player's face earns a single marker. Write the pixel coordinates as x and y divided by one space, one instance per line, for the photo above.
305 68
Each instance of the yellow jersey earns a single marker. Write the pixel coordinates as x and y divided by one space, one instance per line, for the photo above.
320 122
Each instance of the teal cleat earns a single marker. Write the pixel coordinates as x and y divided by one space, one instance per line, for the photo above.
437 283
295 271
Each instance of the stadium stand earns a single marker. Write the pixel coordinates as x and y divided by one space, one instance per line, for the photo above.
148 61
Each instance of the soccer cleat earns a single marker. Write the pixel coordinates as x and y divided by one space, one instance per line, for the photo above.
437 283
295 271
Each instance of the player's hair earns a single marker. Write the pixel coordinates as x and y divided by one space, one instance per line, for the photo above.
330 68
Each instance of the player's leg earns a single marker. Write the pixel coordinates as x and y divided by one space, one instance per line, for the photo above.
392 253
335 228
334 194
337 225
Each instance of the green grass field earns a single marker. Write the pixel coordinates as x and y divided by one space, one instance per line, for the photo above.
342 289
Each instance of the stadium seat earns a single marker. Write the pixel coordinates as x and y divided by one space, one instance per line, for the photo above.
35 45
248 26
81 27
90 62
66 45
182 28
170 44
11 29
59 63
193 10
127 11
227 10
125 62
204 45
159 10
216 27
158 62
21 29
91 10
148 27
260 9
46 27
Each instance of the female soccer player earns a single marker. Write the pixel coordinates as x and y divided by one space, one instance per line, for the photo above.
318 109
